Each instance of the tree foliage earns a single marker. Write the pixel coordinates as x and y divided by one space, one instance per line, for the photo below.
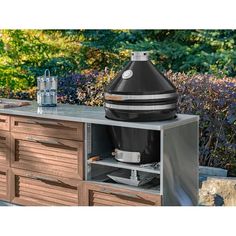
191 51
25 54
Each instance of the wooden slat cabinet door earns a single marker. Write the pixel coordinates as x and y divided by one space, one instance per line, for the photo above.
4 122
4 148
105 195
48 127
34 189
4 184
52 156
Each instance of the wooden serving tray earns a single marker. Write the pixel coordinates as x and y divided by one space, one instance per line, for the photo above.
11 104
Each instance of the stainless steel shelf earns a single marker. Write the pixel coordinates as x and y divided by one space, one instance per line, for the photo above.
146 188
110 161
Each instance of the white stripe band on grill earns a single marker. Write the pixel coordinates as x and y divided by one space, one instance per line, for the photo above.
141 108
120 97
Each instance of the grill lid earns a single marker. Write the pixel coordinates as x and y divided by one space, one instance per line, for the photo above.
140 92
140 77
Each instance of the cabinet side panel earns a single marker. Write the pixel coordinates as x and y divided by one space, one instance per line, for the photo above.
180 165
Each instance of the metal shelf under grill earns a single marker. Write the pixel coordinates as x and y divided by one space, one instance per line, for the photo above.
110 161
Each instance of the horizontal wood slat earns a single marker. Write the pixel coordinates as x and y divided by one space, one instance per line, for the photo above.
42 161
55 187
48 127
109 195
118 199
68 151
28 201
47 169
104 202
60 158
40 195
47 155
46 150
55 192
98 204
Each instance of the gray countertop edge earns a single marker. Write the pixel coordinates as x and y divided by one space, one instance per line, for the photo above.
94 115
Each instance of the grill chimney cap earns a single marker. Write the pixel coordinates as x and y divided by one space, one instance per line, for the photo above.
139 56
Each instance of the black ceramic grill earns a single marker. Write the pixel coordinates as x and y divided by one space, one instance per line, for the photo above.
140 93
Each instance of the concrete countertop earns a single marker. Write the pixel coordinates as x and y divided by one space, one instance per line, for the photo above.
88 114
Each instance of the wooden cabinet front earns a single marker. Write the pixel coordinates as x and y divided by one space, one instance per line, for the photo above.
47 155
4 148
4 183
35 189
4 122
48 127
105 195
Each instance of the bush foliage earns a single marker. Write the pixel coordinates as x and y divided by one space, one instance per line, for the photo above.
214 100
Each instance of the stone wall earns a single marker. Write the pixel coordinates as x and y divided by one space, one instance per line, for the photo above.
217 191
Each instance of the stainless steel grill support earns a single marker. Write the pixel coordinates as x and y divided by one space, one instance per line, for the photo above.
178 169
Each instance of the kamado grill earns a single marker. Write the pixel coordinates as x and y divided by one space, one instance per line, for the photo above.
139 93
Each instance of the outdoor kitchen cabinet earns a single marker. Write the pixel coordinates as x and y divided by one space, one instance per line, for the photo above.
45 159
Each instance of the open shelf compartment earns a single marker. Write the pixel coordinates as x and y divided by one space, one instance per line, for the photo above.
99 144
